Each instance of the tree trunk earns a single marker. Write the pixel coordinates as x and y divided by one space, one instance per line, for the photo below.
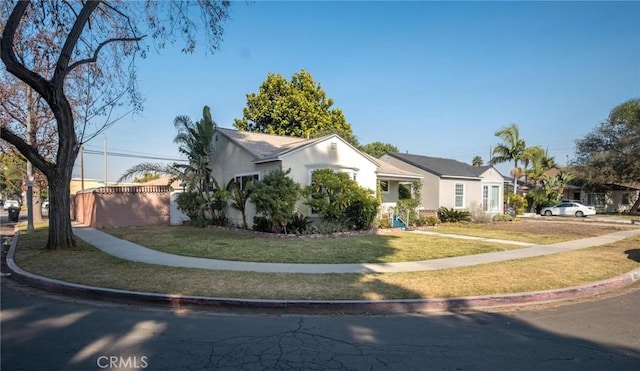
60 232
635 209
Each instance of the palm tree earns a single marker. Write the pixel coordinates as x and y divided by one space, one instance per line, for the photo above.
477 161
195 143
511 149
239 195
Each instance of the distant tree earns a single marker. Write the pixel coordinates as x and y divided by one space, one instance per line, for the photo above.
297 108
377 149
99 39
610 153
510 149
12 170
146 177
477 161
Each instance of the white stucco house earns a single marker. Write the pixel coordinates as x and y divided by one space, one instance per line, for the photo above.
245 155
452 184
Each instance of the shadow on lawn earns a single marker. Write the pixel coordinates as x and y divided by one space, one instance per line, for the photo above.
633 254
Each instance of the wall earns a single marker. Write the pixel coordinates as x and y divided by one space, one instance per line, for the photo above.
331 153
123 206
430 182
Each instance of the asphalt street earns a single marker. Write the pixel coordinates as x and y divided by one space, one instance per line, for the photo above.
47 332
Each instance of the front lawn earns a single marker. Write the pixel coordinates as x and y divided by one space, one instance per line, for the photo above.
223 244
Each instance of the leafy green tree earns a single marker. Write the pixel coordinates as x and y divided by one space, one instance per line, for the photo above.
510 149
477 161
339 199
13 168
298 108
275 197
100 39
377 149
610 153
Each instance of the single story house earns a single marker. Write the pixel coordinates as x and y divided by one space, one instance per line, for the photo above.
243 155
453 184
607 198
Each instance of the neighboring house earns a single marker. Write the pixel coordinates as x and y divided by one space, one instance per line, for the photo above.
608 198
453 184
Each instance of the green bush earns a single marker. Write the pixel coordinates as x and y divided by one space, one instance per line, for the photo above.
383 223
298 224
262 224
275 197
517 202
194 205
503 218
450 215
431 220
340 200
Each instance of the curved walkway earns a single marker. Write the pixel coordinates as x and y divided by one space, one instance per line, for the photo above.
134 252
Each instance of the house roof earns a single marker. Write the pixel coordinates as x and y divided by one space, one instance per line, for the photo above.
386 169
268 147
264 146
442 167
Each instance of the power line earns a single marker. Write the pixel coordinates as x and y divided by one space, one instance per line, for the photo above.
118 154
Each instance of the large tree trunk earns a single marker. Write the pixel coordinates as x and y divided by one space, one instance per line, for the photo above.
60 232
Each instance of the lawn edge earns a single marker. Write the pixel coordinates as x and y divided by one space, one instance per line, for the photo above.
321 306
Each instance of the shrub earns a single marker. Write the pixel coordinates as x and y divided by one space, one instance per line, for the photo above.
340 200
383 223
478 215
431 220
262 224
193 204
275 197
299 224
504 218
517 202
447 215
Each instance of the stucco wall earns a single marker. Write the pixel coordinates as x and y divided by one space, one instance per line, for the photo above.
331 153
115 207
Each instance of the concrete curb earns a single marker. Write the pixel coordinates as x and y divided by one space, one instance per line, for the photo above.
321 306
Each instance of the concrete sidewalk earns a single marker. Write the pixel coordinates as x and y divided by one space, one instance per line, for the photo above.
130 251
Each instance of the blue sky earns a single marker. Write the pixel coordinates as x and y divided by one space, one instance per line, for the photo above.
432 78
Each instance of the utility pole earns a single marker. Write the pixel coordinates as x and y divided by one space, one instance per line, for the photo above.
82 167
105 160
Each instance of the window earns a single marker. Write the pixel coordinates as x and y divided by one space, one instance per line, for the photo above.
485 198
244 179
384 186
595 199
459 202
495 198
625 199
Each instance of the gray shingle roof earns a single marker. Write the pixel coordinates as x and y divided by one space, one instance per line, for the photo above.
441 166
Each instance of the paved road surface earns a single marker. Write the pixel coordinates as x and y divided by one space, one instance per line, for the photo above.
42 332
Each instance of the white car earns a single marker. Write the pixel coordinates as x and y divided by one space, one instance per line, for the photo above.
10 203
569 209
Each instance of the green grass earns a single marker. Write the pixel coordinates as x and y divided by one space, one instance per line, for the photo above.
223 244
87 265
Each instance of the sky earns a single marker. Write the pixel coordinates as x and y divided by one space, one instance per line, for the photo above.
432 78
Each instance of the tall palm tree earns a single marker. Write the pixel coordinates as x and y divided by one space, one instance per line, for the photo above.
510 149
477 161
195 142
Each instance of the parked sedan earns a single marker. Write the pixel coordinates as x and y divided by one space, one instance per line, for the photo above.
10 203
569 209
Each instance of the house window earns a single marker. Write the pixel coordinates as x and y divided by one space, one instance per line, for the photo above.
459 202
244 179
495 198
384 186
595 199
625 199
485 198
